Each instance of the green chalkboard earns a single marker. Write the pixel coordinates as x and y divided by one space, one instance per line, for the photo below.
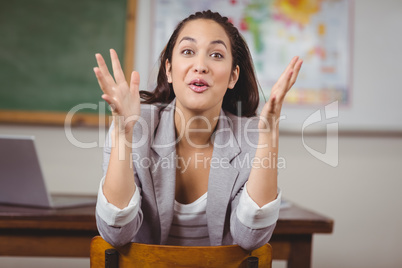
47 51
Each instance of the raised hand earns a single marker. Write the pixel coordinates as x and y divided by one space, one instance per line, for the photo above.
124 100
270 114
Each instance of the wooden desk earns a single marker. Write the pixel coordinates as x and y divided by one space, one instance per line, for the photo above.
292 238
68 233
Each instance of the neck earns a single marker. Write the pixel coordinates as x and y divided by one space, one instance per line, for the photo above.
195 130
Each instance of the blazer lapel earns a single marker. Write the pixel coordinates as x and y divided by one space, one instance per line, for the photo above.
222 177
222 174
163 168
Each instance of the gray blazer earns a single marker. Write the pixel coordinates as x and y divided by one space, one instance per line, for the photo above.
154 159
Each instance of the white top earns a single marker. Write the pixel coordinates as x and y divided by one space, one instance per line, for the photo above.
189 226
248 212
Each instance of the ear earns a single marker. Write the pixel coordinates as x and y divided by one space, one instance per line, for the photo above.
168 68
234 77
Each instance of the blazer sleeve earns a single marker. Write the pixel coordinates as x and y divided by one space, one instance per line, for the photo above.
117 226
252 226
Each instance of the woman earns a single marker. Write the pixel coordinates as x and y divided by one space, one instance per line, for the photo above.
190 165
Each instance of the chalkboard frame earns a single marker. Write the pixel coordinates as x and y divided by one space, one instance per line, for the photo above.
60 118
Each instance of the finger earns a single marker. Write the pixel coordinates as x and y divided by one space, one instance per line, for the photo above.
107 98
283 81
289 67
103 68
101 80
135 82
284 85
296 72
289 76
269 107
112 103
117 71
268 113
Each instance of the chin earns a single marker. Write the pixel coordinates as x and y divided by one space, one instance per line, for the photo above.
199 102
202 107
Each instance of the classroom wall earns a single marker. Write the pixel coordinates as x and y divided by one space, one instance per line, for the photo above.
361 194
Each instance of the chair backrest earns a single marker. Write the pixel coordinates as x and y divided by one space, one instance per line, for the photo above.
158 256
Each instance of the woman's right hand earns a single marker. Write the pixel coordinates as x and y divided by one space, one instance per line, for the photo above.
124 100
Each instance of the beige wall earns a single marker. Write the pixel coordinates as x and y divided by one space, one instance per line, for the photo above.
362 195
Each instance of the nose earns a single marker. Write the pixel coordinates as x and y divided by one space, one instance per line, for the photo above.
200 65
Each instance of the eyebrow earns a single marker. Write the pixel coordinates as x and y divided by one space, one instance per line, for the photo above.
190 39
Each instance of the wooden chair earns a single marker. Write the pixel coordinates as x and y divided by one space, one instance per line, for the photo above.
157 256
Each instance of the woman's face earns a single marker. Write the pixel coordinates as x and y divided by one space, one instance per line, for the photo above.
201 67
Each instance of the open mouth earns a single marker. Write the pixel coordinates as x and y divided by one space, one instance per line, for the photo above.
199 85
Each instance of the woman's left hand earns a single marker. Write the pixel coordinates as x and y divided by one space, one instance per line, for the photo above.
270 114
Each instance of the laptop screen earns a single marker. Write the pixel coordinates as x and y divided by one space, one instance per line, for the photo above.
21 179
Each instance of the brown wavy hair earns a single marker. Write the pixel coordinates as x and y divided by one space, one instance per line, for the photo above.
243 99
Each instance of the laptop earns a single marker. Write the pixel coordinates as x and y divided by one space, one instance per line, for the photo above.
21 178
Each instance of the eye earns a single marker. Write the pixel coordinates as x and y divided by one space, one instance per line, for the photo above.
217 55
187 52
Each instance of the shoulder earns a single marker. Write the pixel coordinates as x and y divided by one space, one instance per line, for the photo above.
149 111
155 111
150 117
155 123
